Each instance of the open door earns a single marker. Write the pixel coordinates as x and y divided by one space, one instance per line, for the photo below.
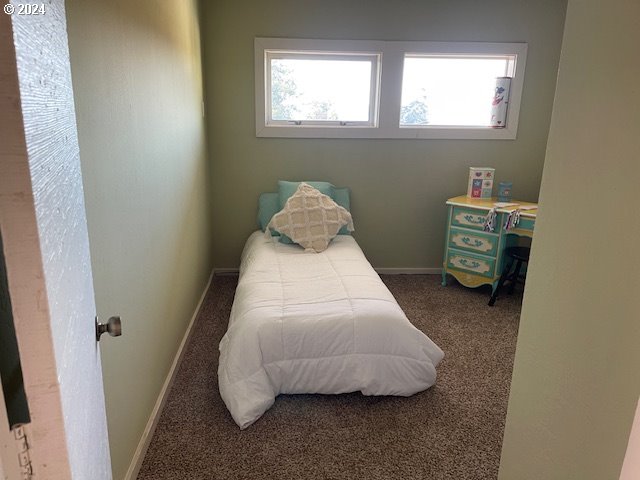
46 250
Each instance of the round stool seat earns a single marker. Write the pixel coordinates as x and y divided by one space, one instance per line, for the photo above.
518 253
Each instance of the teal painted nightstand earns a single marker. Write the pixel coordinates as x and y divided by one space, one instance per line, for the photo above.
475 257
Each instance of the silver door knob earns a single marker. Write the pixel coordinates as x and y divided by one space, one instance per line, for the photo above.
113 327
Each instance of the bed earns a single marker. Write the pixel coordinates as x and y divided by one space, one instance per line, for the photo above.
316 323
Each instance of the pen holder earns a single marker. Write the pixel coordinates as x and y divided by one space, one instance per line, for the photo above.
504 191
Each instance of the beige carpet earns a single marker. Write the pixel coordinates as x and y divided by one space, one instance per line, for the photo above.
451 431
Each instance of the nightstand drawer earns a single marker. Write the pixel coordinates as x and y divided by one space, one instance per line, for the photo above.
469 262
469 217
480 242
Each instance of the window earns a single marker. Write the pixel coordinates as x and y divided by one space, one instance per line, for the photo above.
451 90
321 88
375 89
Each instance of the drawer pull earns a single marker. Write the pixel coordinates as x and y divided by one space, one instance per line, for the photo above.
475 243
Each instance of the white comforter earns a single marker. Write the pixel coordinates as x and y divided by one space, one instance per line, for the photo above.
316 323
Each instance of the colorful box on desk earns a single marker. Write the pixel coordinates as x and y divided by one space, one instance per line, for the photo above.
480 182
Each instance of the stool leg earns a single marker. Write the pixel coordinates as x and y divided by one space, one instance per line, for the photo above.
503 277
514 277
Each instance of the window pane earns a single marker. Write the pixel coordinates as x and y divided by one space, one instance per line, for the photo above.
320 90
446 91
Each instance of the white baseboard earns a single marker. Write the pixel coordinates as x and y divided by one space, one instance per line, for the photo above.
382 271
409 271
147 435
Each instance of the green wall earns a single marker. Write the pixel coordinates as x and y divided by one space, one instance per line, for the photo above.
576 377
138 90
398 186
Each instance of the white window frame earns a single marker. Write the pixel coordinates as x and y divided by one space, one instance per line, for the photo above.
374 92
388 89
510 69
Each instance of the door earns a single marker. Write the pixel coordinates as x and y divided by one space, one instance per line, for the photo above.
46 249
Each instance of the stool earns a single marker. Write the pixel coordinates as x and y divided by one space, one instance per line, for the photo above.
515 255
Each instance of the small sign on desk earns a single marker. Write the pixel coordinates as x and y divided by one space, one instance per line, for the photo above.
480 182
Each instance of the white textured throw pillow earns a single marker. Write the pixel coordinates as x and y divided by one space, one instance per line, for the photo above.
310 218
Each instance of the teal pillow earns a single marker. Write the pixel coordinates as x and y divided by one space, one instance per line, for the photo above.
342 197
268 206
286 189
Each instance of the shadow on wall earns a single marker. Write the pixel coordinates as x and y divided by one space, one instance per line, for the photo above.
148 23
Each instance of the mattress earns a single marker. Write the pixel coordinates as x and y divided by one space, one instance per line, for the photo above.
316 323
